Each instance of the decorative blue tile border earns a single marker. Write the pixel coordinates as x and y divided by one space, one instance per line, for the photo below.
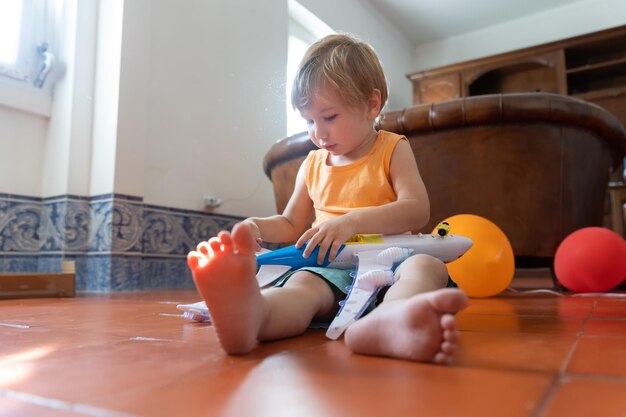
117 242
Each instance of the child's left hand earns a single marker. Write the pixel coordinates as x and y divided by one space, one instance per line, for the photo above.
329 236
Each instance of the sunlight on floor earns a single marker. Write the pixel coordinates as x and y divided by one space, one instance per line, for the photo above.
265 385
18 366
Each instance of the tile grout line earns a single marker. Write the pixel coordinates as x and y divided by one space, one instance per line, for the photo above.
598 377
560 375
61 405
547 396
569 356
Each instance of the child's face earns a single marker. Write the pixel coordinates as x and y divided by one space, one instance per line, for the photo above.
338 128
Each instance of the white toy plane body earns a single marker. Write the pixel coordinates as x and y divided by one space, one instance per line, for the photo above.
374 257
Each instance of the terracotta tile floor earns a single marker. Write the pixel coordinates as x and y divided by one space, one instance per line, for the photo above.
131 354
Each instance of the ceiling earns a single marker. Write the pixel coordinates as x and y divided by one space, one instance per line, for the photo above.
423 21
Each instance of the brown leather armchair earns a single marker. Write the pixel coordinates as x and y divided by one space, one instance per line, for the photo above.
536 164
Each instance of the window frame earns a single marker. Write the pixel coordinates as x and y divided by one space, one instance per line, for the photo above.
17 90
19 69
32 35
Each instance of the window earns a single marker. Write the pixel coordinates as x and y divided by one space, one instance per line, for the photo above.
24 40
10 19
304 29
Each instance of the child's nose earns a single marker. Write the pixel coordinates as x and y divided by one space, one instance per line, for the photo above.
319 132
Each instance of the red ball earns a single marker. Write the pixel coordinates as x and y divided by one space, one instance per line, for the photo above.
592 259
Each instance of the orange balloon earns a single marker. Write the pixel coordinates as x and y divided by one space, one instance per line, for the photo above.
487 268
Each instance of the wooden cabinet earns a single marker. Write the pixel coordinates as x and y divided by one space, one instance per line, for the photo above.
615 209
590 67
533 72
439 88
596 67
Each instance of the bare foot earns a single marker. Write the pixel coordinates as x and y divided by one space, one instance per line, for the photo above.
224 271
421 328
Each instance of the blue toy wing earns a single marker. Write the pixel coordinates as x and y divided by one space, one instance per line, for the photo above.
292 257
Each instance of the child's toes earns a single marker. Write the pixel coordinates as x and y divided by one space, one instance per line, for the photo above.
448 322
226 240
242 236
448 348
442 358
216 245
193 259
225 237
452 336
203 248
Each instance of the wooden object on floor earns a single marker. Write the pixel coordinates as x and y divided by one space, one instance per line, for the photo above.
35 285
536 164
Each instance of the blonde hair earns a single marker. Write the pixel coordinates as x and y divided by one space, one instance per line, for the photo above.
341 62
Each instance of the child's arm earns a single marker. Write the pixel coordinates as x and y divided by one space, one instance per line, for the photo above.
286 227
410 211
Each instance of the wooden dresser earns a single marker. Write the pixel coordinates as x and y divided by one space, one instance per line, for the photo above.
591 67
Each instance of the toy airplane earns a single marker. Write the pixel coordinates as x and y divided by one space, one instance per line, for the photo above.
374 257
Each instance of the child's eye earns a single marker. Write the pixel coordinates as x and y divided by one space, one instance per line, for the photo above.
330 118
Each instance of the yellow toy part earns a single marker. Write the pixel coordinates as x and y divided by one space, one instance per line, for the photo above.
488 267
364 239
443 229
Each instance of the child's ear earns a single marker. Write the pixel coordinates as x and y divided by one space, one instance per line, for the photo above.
373 104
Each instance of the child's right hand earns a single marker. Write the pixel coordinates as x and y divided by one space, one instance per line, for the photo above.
329 236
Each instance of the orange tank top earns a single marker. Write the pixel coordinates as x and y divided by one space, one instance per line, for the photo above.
337 190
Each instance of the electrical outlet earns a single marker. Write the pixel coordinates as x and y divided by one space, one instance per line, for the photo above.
212 202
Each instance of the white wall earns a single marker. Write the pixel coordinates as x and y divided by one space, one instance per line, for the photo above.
106 105
135 96
563 22
22 139
67 147
205 89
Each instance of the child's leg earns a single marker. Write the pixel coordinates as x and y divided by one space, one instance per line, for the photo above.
224 271
291 308
415 321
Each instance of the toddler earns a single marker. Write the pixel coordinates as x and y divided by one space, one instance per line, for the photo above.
359 181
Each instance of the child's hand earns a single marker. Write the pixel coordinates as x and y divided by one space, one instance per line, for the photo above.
329 236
